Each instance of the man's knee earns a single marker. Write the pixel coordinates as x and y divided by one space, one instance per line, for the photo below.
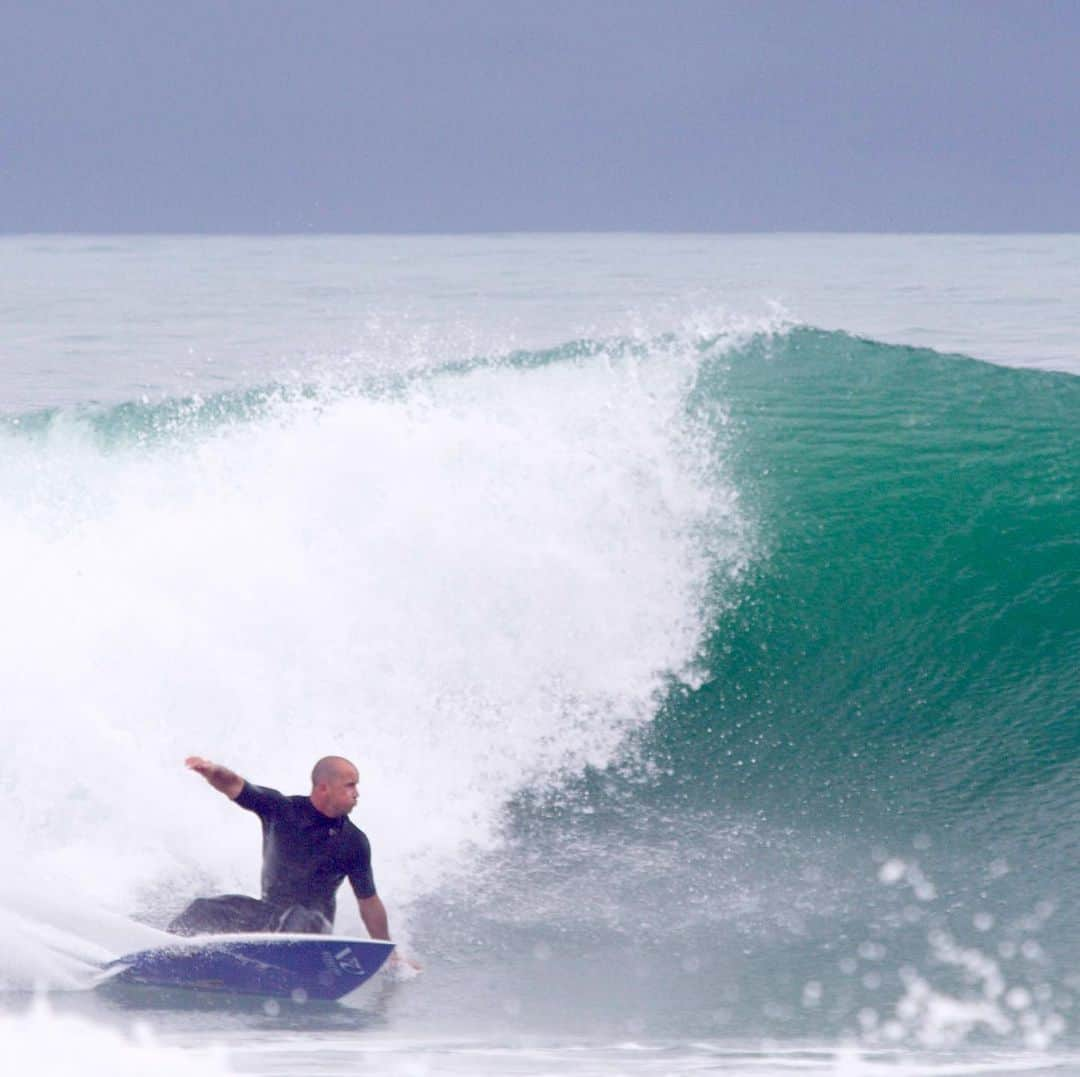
194 919
227 914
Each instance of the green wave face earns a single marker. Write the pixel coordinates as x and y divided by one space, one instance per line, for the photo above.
908 644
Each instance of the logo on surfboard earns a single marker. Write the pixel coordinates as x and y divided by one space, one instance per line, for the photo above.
348 962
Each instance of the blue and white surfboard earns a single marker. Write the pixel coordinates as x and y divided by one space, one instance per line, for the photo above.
297 967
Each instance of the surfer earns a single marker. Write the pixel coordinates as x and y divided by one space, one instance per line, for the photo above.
309 848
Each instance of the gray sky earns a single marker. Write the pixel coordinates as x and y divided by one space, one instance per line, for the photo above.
489 115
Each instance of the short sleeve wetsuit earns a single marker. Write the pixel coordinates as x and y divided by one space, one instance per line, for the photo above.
306 854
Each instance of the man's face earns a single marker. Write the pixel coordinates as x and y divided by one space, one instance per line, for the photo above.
341 792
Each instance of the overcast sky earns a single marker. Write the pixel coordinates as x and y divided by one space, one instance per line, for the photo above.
493 115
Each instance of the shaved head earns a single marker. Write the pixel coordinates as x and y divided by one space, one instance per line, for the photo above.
333 786
328 768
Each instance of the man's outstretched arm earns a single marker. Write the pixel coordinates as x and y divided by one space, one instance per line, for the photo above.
221 778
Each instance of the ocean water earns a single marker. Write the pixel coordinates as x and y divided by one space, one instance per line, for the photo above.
703 614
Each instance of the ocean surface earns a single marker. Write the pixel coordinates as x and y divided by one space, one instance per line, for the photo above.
702 612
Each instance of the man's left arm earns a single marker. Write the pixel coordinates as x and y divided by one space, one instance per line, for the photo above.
362 880
373 913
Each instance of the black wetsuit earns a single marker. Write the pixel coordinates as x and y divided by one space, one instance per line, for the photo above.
306 855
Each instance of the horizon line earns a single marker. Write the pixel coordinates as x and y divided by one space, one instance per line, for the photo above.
290 234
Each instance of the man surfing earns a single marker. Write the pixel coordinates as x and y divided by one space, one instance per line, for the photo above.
309 848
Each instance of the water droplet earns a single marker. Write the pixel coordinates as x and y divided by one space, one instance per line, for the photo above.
892 871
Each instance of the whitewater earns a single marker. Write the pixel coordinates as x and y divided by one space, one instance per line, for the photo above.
702 612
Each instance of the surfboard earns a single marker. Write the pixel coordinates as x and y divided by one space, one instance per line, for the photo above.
297 967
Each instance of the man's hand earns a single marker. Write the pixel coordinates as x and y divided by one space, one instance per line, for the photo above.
373 913
400 963
221 778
